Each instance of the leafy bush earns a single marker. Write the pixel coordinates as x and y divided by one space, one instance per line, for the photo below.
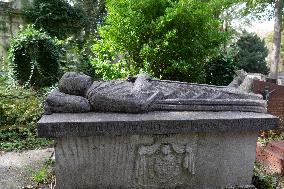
34 58
56 17
251 54
264 180
110 71
20 109
95 11
20 113
220 70
169 39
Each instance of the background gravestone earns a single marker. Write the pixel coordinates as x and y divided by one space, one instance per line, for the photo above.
10 21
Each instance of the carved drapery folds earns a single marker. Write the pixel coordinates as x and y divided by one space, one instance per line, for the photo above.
143 94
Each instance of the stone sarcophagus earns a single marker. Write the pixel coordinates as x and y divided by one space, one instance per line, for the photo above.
145 133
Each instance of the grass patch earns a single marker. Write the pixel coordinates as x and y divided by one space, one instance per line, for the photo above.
44 177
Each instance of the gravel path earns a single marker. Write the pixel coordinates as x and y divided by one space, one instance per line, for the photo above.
16 167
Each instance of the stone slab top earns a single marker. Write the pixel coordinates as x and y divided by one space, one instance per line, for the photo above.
93 124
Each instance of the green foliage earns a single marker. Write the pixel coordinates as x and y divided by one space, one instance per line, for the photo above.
269 40
168 39
57 17
271 135
45 174
76 56
20 109
109 71
17 112
95 11
263 180
251 54
21 138
34 58
220 70
40 176
259 8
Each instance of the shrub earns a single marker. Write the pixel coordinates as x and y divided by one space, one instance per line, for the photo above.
20 110
110 71
251 54
56 17
169 39
220 70
263 180
34 58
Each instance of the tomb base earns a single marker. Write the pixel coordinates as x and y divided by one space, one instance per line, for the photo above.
190 150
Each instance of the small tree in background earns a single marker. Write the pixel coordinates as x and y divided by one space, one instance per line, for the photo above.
167 38
220 70
34 57
56 17
251 53
95 11
67 21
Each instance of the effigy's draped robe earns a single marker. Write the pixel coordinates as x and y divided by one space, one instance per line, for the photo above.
146 94
143 94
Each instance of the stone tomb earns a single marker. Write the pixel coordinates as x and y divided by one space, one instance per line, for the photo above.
192 150
146 133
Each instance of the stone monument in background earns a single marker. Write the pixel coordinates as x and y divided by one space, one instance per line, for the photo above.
10 21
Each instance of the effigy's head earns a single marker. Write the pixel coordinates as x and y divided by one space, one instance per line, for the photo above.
74 83
78 93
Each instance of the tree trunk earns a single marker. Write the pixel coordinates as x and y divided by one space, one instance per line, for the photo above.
276 41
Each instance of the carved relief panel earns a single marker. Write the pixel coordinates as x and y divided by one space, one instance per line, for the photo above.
164 164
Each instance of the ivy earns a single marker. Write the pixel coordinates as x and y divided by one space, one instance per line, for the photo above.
34 57
56 17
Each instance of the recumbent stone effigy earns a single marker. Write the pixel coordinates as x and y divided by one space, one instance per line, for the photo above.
148 133
141 94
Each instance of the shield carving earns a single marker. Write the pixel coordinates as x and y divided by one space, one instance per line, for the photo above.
164 163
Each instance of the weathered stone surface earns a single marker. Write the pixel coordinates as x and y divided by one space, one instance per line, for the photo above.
244 105
247 84
175 107
60 103
92 124
143 94
238 79
116 96
241 187
74 83
185 161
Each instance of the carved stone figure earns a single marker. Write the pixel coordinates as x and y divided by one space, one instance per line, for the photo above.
142 94
164 164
